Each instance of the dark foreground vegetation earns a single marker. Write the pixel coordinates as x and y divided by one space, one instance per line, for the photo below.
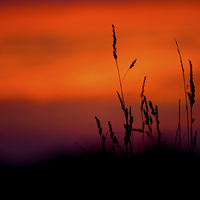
105 168
104 175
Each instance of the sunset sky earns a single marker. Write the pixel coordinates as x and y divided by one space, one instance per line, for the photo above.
57 70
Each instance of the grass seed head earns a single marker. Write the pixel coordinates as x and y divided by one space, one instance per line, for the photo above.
191 95
152 108
111 131
133 63
114 43
99 126
143 87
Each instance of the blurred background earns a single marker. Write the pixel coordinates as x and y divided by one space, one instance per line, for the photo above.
57 72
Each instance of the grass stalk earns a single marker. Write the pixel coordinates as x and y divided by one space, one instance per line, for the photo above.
148 119
120 83
142 111
143 130
178 130
191 96
115 141
179 124
131 66
127 112
185 91
102 137
147 113
191 131
115 57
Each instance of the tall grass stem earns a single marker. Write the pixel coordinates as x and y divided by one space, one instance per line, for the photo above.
186 104
179 124
120 83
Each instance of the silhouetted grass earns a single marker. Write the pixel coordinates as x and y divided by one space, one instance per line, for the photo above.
115 141
149 114
155 114
191 96
141 108
185 91
102 136
178 131
127 112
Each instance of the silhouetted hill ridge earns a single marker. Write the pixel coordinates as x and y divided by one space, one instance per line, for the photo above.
106 164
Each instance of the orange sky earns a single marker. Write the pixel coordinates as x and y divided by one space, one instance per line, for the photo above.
52 52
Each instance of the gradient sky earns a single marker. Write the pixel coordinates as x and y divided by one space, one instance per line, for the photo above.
56 65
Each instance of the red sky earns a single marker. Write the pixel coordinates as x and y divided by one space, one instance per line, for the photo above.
63 52
51 52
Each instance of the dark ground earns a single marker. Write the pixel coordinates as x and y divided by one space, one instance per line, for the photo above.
104 172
